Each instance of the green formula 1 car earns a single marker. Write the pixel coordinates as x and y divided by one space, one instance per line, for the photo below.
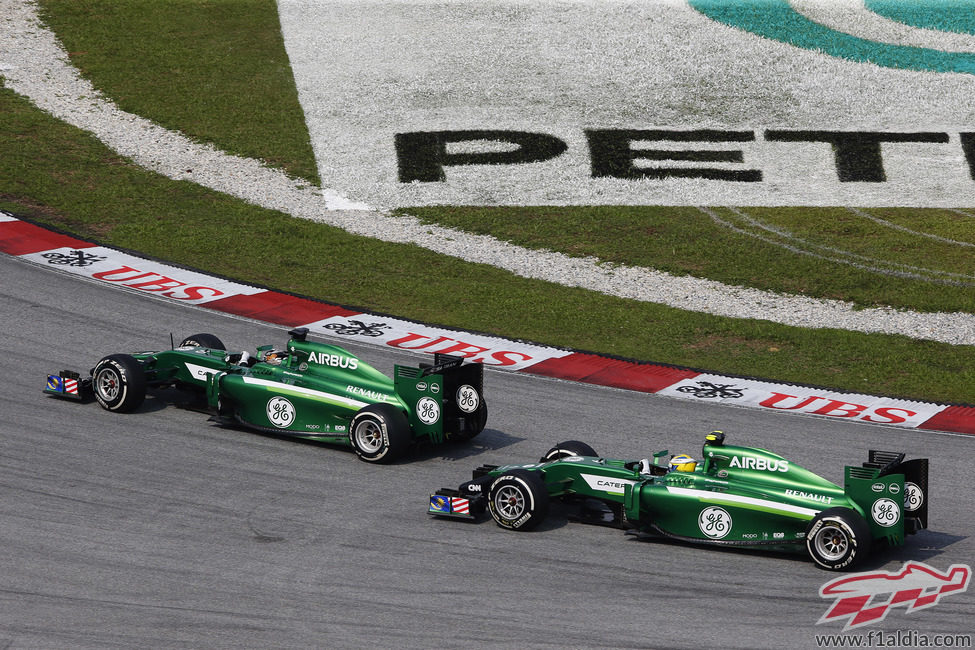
309 389
733 496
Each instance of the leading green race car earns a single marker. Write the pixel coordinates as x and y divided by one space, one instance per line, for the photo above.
309 389
734 496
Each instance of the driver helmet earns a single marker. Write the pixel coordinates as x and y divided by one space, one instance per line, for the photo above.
682 463
274 357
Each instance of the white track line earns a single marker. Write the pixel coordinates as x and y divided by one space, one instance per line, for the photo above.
34 64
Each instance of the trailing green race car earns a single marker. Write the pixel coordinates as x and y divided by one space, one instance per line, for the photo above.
733 496
310 390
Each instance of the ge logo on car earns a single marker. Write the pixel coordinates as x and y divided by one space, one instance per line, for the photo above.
427 410
467 398
714 522
885 512
280 412
913 497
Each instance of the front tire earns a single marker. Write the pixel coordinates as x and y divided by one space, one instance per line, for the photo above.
380 433
567 449
838 539
119 383
204 341
518 500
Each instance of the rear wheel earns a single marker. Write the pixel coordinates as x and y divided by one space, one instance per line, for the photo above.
518 500
204 341
478 421
566 449
838 539
119 383
380 433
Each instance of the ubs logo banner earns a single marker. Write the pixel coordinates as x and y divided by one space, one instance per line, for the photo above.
691 102
407 335
803 399
121 269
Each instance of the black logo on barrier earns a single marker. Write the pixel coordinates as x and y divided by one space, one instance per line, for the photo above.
76 258
354 327
707 390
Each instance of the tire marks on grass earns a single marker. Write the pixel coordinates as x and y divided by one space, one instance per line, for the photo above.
750 226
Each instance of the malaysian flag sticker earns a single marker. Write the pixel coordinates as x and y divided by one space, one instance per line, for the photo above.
444 505
67 384
439 504
55 384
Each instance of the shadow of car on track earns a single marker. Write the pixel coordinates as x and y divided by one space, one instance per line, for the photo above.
487 441
930 544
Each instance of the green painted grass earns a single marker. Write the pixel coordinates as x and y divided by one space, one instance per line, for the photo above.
778 20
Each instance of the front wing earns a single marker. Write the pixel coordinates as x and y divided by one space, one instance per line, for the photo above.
451 503
70 385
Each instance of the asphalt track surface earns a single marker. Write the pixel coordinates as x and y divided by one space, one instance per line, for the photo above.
159 529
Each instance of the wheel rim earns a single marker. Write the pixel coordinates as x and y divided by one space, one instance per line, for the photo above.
369 437
509 502
108 384
831 542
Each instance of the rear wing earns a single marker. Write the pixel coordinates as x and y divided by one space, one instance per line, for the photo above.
456 387
892 492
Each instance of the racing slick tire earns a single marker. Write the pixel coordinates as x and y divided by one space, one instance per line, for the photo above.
566 449
204 341
479 422
119 383
838 539
380 433
518 500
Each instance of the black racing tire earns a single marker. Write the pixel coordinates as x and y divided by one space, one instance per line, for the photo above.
204 341
380 433
119 383
838 539
479 421
566 449
518 500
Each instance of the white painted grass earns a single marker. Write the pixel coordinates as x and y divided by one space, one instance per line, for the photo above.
33 64
369 69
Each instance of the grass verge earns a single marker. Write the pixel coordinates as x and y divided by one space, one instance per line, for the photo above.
59 175
217 71
834 253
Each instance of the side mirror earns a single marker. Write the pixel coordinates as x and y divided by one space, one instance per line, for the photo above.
658 458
